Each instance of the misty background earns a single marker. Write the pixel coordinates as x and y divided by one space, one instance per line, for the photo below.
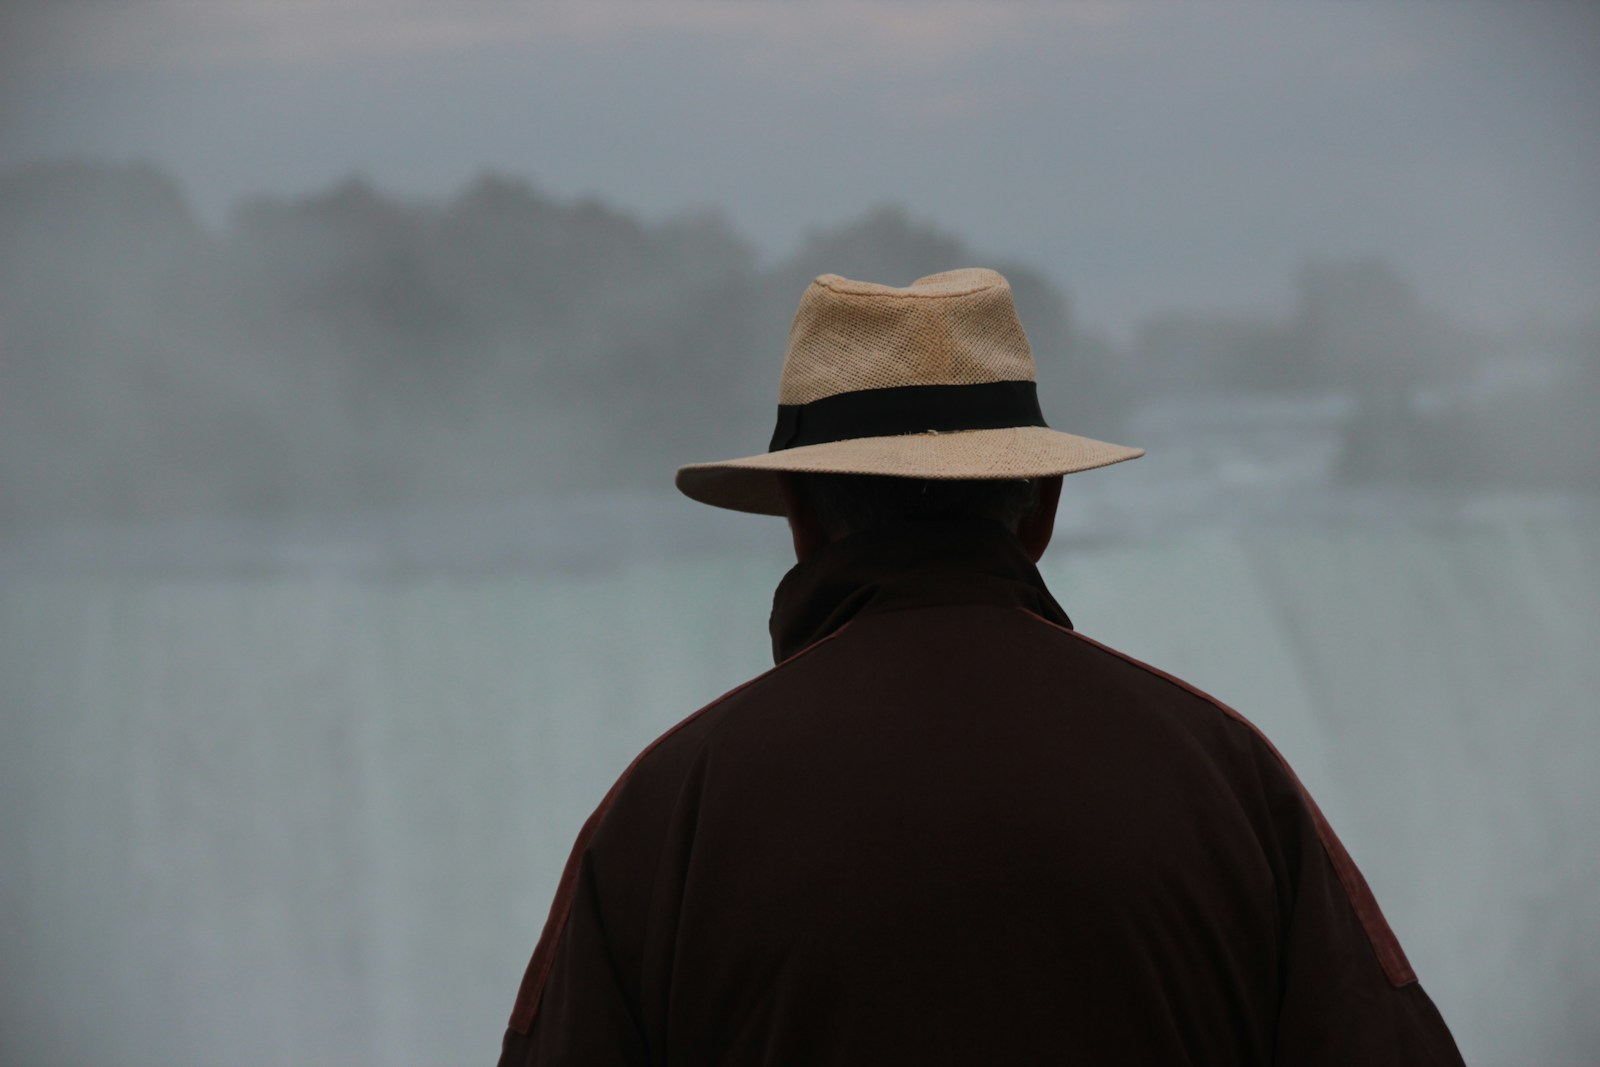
346 351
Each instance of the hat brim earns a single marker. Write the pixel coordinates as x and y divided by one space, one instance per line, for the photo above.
750 484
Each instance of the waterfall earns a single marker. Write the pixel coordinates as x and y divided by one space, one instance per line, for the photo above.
281 815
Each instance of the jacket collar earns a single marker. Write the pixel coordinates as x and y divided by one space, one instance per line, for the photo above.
905 566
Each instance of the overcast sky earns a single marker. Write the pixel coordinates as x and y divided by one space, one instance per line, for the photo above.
1145 155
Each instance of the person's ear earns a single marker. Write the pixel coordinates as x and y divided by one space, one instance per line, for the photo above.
1035 527
804 527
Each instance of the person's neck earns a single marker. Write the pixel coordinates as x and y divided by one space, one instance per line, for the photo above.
902 566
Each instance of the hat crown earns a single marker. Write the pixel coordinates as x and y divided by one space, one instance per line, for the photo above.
958 327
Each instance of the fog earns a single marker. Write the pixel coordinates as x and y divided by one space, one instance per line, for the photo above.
333 491
348 351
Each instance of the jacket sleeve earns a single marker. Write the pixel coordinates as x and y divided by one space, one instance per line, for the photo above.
580 999
574 1007
1348 993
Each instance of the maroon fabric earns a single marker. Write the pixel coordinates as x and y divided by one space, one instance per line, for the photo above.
957 832
1387 947
538 970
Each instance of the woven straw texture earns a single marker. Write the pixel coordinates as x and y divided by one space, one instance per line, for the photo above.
750 484
955 328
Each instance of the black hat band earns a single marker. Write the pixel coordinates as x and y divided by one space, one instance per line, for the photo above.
907 409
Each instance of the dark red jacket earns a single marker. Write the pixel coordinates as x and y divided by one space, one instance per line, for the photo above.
948 829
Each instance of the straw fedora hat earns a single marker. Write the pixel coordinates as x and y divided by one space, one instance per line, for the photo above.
934 380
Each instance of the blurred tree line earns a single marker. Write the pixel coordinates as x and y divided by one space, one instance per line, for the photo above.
350 350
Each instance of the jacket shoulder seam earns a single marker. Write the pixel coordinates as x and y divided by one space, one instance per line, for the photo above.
1385 945
531 991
